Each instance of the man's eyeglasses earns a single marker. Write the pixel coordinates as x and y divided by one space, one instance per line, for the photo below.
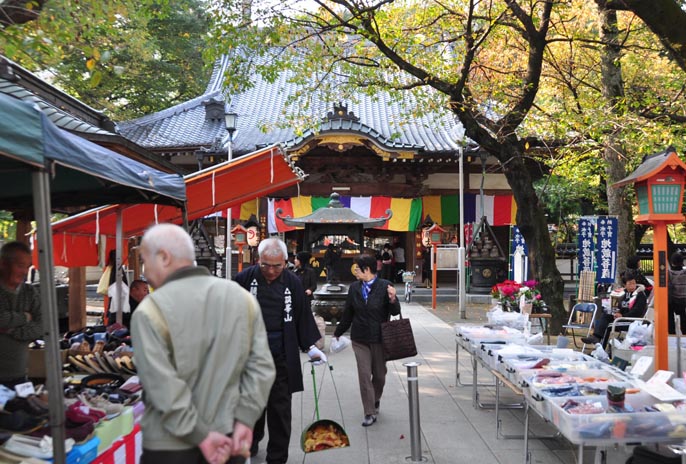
272 266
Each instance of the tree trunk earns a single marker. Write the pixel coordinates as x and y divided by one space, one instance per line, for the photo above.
19 11
532 223
613 90
666 18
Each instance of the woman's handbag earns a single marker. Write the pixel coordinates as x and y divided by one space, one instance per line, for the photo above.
397 339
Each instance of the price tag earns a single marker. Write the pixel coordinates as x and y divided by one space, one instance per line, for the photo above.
24 389
661 377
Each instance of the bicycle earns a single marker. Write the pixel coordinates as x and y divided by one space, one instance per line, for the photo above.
408 279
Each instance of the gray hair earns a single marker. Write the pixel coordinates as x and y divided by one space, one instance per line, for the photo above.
273 247
171 238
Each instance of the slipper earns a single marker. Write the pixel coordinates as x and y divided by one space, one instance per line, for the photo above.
111 362
78 362
20 422
102 362
34 446
90 360
130 364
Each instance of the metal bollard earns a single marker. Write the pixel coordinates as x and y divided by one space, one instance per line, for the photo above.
415 431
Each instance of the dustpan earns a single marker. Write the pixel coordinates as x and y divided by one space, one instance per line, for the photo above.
323 434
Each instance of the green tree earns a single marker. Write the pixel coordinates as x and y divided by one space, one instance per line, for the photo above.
618 108
126 57
666 18
525 79
482 61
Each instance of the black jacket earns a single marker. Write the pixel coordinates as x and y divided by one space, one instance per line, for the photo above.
308 277
634 304
299 328
366 317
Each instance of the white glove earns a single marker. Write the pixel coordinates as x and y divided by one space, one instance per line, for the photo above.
316 355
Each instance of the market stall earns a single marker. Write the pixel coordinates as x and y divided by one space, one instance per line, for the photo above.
589 402
41 167
209 191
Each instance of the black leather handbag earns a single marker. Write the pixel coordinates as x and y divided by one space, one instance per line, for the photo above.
398 339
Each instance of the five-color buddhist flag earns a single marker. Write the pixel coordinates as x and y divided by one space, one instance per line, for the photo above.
408 213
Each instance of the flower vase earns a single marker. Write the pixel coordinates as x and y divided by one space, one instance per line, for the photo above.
527 308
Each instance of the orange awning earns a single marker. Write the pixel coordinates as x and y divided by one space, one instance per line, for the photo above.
208 191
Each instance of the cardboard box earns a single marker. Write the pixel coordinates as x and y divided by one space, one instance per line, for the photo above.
36 363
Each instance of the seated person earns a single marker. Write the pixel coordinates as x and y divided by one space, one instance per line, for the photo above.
632 265
633 304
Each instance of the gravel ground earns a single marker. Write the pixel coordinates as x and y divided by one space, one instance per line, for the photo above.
449 312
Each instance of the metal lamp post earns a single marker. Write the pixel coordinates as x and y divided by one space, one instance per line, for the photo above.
659 185
461 271
230 120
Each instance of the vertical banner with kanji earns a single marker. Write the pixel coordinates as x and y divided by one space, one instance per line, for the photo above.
586 248
606 250
519 261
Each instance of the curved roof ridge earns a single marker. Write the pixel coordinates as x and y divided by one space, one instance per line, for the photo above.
346 125
172 110
216 81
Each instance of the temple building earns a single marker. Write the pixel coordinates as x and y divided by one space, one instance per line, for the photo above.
365 151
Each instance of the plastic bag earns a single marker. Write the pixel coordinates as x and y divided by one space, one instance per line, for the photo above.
339 345
599 353
114 298
508 319
640 332
535 339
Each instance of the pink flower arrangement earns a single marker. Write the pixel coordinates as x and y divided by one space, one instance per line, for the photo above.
509 293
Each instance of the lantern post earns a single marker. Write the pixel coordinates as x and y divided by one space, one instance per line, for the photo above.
659 185
240 235
435 238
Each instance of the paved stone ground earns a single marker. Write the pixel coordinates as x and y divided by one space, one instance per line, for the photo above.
452 429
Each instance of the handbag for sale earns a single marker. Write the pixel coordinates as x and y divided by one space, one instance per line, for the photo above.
398 339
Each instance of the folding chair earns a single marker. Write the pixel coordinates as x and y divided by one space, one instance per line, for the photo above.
581 317
621 324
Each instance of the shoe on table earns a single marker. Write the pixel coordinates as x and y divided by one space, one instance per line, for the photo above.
23 404
368 420
80 433
101 403
20 422
590 340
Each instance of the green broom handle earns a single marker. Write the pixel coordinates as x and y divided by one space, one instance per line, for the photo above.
314 386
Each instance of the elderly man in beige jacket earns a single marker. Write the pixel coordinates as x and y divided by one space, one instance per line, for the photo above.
202 356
